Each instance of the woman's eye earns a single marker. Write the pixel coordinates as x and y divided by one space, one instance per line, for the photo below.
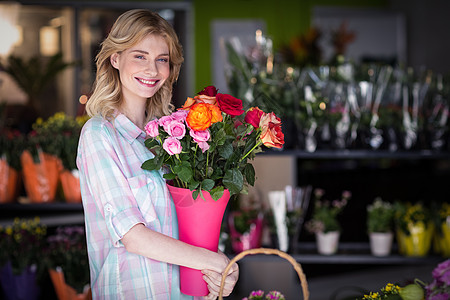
140 56
163 60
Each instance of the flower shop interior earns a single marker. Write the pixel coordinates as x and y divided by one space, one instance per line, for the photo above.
363 92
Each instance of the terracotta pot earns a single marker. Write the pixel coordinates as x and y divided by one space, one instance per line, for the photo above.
64 291
9 179
70 182
40 179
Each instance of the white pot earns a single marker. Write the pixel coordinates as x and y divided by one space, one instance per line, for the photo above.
381 243
327 243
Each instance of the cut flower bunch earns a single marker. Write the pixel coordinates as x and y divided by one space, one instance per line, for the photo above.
207 144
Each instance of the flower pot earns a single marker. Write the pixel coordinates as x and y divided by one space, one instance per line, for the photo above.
327 243
381 243
64 291
417 241
70 182
199 223
248 240
9 179
40 179
442 240
19 287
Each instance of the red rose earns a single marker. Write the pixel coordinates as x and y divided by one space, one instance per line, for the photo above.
209 91
230 105
253 116
271 134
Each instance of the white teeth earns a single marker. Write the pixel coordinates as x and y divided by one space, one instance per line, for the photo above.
147 81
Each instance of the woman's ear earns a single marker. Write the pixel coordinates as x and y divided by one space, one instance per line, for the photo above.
115 60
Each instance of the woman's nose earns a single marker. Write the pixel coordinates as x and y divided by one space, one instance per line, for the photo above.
152 68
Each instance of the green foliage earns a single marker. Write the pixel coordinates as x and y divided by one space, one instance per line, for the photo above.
380 216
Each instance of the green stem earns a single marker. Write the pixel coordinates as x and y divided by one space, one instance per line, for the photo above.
251 150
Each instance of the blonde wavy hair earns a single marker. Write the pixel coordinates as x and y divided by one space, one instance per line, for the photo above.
129 29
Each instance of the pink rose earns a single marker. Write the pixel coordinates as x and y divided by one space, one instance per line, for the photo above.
200 135
152 128
204 146
172 146
164 122
180 115
176 129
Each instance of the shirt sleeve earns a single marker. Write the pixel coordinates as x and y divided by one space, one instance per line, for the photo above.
105 182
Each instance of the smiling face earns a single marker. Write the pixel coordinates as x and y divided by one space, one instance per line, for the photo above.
143 68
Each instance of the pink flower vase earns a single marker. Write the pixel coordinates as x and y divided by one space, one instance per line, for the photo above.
250 239
199 223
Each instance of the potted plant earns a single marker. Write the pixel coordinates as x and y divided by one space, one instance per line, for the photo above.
414 228
11 144
51 155
380 222
66 259
20 263
441 218
324 222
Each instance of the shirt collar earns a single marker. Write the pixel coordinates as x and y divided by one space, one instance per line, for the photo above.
127 128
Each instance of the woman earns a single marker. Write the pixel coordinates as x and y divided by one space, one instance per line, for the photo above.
130 219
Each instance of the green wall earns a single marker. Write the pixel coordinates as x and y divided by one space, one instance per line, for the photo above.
284 19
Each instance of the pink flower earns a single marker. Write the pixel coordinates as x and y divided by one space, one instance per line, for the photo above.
204 146
152 128
176 129
172 146
200 135
180 115
164 122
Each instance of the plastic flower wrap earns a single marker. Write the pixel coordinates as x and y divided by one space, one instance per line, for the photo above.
207 143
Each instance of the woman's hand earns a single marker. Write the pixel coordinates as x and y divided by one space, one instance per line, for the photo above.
214 279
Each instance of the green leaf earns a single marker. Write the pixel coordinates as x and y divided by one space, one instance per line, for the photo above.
217 192
150 164
233 180
185 173
226 150
249 172
207 184
195 194
169 176
150 143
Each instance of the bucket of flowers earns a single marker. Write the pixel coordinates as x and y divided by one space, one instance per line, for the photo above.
11 145
205 148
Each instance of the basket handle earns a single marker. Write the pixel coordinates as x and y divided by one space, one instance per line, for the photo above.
268 251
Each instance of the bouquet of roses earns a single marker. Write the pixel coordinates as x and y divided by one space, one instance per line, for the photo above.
207 143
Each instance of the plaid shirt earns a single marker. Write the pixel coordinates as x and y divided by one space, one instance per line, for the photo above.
118 194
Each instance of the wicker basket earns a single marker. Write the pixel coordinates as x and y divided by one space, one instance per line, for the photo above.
267 251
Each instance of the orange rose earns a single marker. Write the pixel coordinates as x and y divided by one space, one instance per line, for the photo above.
271 134
188 104
216 114
199 117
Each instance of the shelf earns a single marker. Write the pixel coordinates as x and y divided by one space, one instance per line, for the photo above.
54 206
361 154
352 253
